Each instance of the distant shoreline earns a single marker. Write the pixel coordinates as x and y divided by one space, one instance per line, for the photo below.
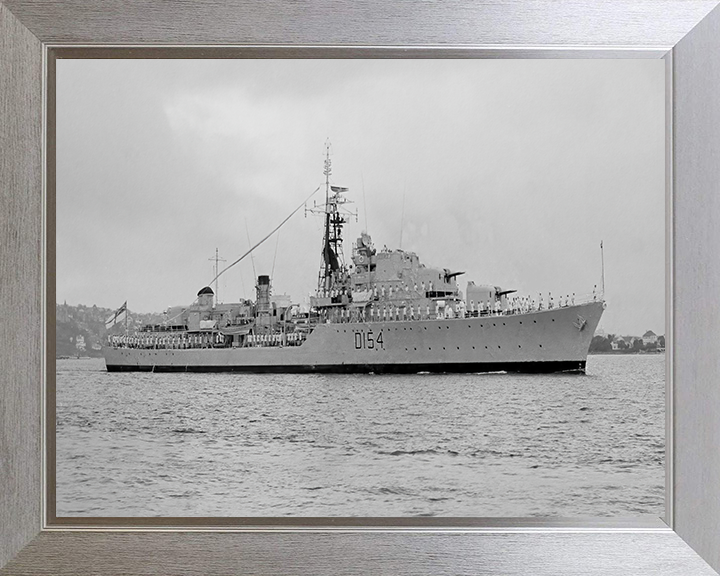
625 352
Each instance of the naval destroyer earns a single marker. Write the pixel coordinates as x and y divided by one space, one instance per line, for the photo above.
382 312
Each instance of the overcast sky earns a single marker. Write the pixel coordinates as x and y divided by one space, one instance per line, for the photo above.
511 170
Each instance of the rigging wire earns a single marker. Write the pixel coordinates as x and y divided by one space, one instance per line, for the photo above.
242 282
277 241
253 248
268 235
252 258
364 201
365 210
402 215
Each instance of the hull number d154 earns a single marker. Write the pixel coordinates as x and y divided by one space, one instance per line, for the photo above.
369 341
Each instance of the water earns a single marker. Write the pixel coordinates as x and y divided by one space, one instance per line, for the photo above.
143 444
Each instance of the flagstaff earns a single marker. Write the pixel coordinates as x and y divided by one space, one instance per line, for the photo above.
602 264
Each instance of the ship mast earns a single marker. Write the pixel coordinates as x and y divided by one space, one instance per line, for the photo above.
217 260
325 278
332 263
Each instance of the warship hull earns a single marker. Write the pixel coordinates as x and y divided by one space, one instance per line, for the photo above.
551 340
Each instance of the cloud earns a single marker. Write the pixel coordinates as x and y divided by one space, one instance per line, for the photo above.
510 170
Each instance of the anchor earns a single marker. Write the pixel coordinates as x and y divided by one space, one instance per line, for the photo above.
580 323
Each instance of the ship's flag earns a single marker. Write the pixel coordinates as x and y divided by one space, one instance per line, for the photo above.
118 316
330 257
339 189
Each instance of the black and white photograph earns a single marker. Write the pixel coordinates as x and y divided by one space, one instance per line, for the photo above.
360 288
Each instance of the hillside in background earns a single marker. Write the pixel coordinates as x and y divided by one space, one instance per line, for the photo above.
80 330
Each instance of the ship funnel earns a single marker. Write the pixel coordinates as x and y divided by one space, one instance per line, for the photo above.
263 294
205 297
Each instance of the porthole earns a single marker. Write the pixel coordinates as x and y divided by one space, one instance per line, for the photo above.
458 347
473 347
498 345
534 321
520 321
553 319
540 345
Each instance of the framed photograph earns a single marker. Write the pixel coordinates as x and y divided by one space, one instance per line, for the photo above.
364 336
643 155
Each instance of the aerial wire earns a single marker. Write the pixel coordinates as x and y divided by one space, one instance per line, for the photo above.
402 215
252 258
365 210
277 241
364 201
268 235
256 245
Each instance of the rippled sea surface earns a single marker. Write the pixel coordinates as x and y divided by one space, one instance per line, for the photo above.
143 444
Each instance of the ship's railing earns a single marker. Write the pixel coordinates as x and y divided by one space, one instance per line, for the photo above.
275 340
143 341
527 304
515 306
387 312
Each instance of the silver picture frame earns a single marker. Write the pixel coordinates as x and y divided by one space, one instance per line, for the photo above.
685 33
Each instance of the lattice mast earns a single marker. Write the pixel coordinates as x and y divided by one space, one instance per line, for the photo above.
333 271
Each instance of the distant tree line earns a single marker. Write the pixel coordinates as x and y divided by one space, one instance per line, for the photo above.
625 344
86 325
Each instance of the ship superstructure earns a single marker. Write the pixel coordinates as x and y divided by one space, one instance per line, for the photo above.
384 311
